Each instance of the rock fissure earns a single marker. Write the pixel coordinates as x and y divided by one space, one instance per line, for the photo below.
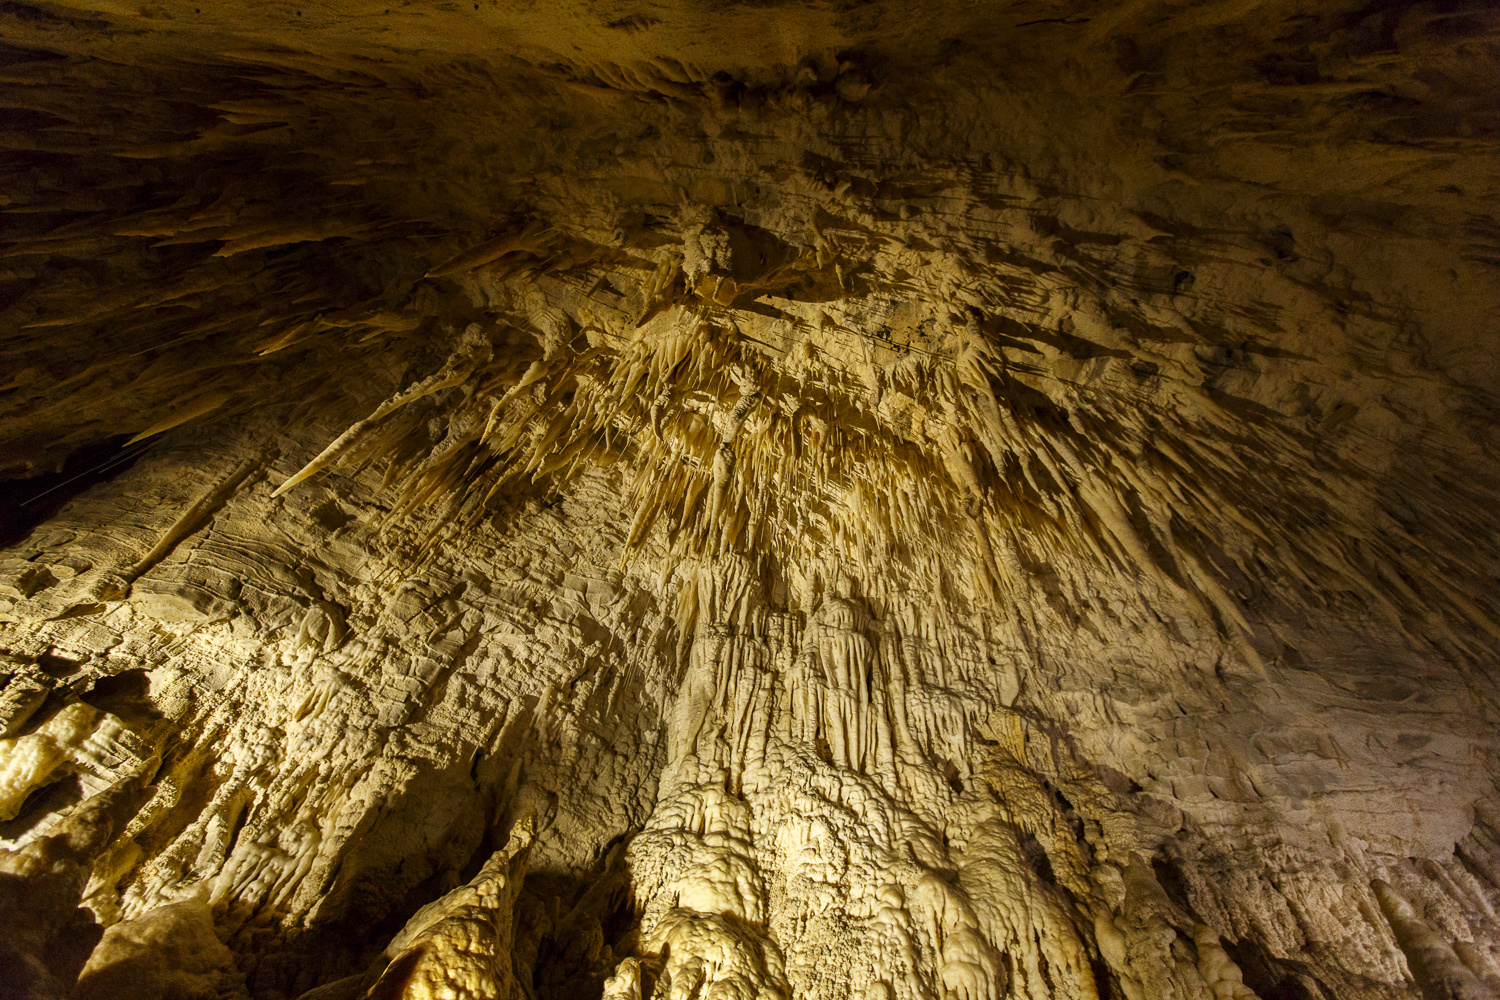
886 501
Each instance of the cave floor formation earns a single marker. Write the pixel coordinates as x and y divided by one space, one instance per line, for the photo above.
672 500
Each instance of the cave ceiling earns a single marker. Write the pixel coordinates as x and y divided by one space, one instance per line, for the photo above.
884 500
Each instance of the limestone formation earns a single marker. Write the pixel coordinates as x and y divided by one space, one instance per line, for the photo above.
809 499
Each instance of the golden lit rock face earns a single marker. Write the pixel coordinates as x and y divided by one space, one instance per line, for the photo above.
884 501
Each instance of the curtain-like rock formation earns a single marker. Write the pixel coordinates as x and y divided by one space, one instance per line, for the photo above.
890 501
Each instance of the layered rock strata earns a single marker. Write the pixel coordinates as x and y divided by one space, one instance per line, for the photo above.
890 501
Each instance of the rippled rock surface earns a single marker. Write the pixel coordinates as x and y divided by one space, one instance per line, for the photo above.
671 500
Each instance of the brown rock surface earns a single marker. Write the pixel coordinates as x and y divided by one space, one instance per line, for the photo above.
891 501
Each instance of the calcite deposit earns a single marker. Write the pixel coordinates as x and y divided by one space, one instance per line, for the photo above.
669 500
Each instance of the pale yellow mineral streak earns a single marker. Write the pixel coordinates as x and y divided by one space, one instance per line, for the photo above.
28 761
473 350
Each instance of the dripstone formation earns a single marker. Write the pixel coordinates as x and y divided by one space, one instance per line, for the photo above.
670 500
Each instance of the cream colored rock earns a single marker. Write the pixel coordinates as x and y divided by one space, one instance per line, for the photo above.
459 947
29 760
170 953
46 936
916 500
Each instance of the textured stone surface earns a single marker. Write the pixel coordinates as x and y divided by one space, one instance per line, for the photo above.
884 501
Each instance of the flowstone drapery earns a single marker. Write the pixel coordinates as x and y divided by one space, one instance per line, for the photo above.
876 501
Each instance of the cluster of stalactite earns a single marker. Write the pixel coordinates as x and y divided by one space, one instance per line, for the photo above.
501 519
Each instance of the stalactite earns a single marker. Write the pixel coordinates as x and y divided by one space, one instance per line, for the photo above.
891 501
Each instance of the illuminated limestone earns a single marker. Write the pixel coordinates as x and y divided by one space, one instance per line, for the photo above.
654 506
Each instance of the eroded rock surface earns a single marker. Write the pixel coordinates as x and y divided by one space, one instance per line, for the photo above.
878 501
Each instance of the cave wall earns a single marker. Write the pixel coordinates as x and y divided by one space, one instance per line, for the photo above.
798 500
